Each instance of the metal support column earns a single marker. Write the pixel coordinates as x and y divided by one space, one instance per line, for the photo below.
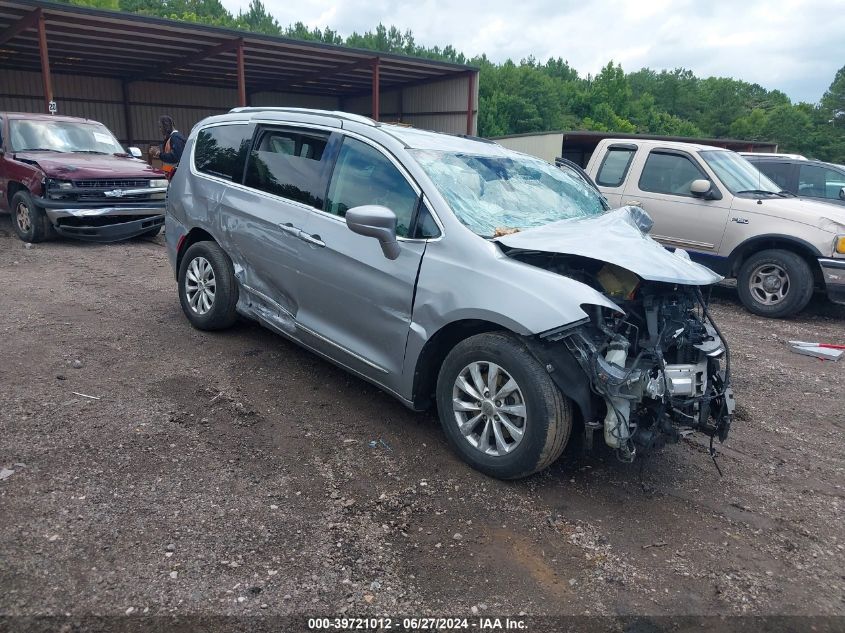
45 62
241 75
470 101
127 115
376 89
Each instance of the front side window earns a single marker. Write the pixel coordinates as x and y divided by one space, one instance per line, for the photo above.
614 167
820 182
492 192
669 173
221 151
363 175
288 163
62 136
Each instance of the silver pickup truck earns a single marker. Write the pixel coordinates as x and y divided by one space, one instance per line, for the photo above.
730 217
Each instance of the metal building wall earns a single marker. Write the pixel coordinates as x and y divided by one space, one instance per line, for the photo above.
294 100
545 146
440 105
92 97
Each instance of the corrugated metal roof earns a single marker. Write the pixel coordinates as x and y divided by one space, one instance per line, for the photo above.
86 41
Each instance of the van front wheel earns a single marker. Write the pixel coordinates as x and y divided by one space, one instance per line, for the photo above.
499 408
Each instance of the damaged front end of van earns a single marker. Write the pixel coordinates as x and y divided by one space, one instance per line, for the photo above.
654 367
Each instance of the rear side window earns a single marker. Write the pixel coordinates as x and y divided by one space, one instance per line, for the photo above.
819 182
615 165
363 175
221 151
288 163
777 172
669 173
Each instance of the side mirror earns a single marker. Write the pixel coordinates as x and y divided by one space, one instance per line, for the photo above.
135 152
700 187
703 188
842 193
374 221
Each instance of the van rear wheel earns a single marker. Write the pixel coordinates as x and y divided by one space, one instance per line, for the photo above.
775 283
499 408
208 290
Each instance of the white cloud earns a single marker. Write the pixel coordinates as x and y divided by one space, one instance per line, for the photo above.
793 45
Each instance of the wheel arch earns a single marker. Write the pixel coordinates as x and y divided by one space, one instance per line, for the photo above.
12 188
191 237
802 248
435 350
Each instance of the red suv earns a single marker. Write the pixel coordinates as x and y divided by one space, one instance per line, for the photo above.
67 176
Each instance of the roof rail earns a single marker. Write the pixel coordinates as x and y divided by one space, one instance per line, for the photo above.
347 116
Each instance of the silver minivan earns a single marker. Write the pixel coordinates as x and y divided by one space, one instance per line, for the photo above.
451 271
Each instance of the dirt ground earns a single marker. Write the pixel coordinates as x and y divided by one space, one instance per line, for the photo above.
233 473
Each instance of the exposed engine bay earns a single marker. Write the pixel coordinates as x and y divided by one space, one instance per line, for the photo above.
657 371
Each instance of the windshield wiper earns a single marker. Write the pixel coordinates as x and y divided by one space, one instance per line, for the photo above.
759 192
42 149
88 151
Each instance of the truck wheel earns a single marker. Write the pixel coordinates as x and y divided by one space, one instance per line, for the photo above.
208 291
499 409
29 221
775 283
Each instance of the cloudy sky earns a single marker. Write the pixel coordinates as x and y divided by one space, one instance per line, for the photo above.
793 45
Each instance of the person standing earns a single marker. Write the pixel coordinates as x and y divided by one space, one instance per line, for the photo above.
170 151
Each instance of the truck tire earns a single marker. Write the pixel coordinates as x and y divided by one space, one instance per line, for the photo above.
518 433
775 283
29 221
208 290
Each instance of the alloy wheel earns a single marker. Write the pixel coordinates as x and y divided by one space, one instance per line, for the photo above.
489 408
200 285
769 284
23 217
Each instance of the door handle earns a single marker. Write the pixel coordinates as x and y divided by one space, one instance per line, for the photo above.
290 228
634 203
311 239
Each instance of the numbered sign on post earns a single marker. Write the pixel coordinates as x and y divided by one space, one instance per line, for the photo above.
52 107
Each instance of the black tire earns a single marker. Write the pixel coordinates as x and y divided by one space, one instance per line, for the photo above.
221 313
33 225
548 419
798 282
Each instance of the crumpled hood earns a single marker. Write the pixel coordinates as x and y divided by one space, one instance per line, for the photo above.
614 237
81 166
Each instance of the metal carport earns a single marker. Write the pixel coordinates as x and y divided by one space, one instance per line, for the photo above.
125 69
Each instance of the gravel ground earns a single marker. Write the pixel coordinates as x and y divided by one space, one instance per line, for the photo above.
232 474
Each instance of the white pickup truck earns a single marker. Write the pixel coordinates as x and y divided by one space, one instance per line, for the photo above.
730 217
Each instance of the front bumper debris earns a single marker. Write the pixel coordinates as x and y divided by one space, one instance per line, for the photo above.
662 369
96 222
110 232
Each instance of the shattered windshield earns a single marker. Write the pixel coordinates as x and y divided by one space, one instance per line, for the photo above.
738 174
62 136
492 194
